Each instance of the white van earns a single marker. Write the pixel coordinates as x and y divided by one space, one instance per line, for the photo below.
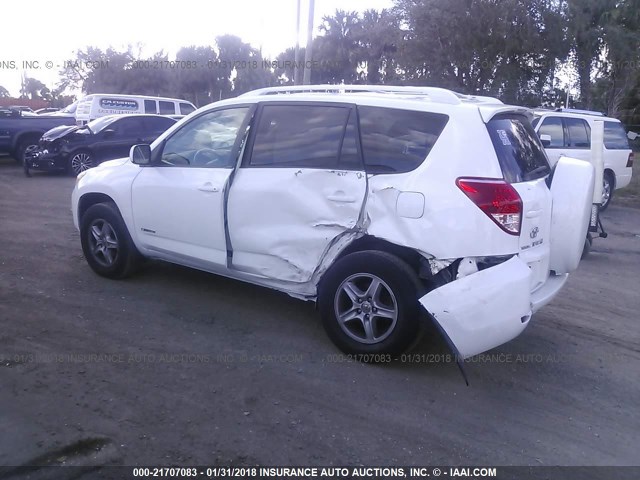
99 105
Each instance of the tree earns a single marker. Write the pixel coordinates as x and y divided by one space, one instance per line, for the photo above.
33 88
338 50
379 37
197 84
508 48
4 93
241 67
622 40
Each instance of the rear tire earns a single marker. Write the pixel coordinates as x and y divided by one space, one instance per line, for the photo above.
608 184
369 304
587 246
106 243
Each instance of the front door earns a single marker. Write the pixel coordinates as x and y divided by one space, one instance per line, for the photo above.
178 200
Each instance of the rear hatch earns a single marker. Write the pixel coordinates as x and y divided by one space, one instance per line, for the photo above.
525 167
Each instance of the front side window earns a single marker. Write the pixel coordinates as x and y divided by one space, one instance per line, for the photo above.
579 133
396 141
306 136
552 126
615 138
206 141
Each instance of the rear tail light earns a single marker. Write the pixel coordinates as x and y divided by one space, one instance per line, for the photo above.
496 198
630 160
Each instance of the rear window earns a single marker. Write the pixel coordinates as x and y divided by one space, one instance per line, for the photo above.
519 149
397 141
615 138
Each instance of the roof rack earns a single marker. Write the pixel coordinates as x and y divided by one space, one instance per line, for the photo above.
581 112
435 94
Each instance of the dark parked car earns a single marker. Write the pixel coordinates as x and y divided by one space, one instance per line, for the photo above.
75 148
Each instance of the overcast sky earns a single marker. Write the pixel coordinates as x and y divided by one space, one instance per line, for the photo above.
50 32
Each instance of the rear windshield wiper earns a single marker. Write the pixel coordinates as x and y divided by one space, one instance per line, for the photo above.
535 173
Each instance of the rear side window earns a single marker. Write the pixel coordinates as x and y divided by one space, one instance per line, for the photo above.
552 126
186 109
292 136
519 149
397 141
167 108
579 133
615 138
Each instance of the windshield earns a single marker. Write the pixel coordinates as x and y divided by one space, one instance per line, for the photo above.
101 123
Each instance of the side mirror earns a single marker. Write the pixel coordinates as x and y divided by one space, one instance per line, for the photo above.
545 139
632 135
140 154
109 132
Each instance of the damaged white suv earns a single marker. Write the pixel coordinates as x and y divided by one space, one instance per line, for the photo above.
384 204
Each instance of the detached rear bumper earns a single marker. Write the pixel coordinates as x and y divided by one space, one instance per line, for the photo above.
490 307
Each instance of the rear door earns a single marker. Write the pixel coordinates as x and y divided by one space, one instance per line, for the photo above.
554 221
617 152
578 139
300 187
525 166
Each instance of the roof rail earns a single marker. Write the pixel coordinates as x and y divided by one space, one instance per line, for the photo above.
581 112
439 95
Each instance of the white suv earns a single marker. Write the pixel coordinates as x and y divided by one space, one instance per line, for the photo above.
386 205
567 132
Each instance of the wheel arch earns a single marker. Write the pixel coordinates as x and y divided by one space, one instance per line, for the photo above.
25 135
612 175
92 198
369 242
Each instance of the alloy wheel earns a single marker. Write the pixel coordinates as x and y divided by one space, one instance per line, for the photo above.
81 162
366 308
103 242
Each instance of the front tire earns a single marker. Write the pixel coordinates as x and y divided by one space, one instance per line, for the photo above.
369 303
81 161
106 242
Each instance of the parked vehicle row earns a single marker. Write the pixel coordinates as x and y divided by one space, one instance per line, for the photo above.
78 148
385 205
21 130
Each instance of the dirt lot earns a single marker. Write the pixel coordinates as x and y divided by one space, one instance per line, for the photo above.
175 366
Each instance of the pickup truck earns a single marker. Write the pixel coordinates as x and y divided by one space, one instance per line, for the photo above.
20 134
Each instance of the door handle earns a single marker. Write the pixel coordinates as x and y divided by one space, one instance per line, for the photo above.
340 198
208 187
